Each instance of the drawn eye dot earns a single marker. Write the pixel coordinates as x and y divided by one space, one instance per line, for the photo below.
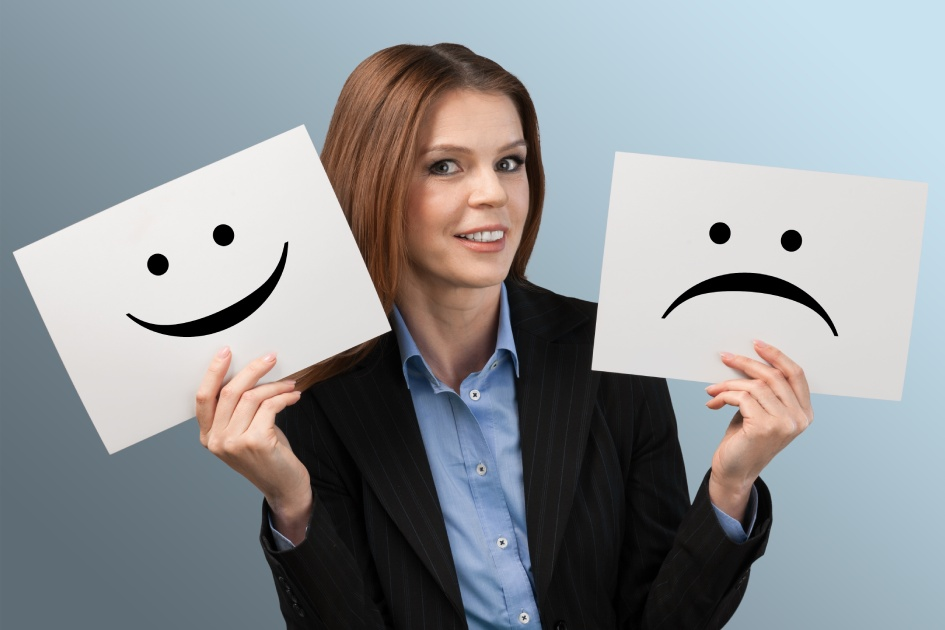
223 234
791 240
719 233
157 264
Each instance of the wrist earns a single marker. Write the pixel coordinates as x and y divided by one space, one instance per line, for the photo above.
291 514
730 496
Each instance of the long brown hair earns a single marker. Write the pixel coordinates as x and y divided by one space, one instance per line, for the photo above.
371 147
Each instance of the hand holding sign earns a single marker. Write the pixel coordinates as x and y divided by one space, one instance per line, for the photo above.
238 425
701 257
773 408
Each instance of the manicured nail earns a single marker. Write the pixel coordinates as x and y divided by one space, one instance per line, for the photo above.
760 344
726 355
224 352
270 358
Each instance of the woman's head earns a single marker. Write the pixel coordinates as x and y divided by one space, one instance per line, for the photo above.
373 141
372 146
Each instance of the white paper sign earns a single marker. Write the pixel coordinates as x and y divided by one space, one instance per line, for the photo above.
702 257
252 251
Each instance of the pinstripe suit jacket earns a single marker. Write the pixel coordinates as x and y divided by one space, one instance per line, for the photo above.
613 539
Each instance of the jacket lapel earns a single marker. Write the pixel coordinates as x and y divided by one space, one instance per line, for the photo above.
374 416
556 392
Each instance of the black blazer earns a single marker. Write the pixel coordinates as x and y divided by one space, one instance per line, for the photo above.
614 542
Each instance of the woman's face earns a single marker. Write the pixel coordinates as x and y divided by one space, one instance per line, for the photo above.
468 197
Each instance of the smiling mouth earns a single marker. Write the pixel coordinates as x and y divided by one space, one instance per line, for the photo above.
230 316
754 283
486 236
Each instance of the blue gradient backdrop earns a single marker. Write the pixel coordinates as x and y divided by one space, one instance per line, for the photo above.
100 101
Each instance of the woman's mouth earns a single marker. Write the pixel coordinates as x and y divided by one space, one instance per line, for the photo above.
483 237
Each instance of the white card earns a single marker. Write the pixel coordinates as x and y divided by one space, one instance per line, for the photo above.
252 252
703 257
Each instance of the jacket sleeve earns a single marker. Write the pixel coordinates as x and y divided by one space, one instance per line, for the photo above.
328 581
679 570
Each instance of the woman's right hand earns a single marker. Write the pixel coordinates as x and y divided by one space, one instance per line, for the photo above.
237 424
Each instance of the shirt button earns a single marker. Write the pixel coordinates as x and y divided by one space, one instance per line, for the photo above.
474 394
494 365
502 543
481 469
523 618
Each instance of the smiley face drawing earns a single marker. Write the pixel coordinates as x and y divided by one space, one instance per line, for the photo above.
791 241
138 298
703 257
233 314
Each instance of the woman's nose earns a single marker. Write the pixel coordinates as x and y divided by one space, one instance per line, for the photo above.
487 190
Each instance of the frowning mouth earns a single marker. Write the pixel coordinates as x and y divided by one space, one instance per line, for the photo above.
230 316
754 283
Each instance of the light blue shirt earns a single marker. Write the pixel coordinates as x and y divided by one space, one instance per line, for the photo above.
472 443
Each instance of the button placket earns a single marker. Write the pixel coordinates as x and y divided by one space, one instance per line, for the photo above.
476 426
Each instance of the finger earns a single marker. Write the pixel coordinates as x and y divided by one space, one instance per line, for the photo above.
245 379
746 403
266 416
792 372
252 402
260 438
209 390
758 389
767 373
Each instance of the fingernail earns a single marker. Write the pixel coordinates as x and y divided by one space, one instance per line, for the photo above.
726 355
224 352
270 358
760 344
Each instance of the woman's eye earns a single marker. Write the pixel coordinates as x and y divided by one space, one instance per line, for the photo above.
509 164
444 167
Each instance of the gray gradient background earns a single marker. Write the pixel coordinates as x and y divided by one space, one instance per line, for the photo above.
101 101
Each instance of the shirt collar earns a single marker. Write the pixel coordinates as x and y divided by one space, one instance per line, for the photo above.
504 340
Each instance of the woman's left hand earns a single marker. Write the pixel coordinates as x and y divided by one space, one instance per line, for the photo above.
773 409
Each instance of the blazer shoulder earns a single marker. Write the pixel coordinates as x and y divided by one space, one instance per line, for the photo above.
549 315
321 399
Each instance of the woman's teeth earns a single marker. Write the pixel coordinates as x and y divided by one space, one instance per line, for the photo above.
484 237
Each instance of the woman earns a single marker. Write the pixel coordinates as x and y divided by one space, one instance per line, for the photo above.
468 469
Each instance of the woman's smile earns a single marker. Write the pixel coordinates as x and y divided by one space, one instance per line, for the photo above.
488 239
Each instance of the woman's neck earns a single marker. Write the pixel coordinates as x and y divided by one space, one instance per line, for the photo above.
455 329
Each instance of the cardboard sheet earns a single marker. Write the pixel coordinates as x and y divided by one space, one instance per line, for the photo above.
703 257
252 252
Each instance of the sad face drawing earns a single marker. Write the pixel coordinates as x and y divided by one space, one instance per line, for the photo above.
703 257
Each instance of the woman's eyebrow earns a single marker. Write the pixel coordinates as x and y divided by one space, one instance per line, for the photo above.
455 148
